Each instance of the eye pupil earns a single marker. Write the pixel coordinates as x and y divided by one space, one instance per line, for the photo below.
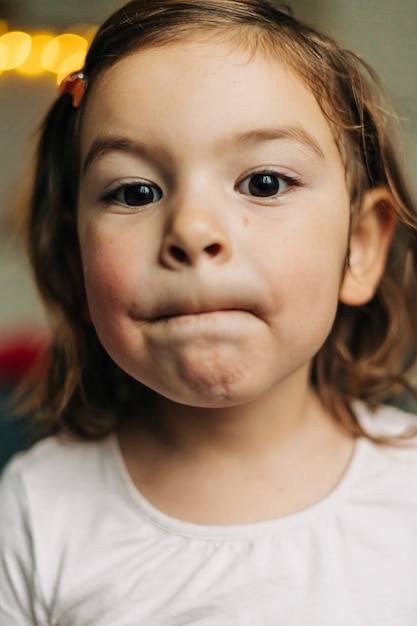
263 185
137 195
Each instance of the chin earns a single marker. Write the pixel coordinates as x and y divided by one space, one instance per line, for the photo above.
217 389
208 401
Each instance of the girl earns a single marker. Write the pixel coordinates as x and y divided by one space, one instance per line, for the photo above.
222 232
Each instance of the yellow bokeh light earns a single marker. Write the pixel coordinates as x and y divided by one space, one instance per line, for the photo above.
31 55
33 66
19 45
71 64
4 56
61 48
50 54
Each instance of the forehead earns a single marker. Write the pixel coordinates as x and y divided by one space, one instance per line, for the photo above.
206 91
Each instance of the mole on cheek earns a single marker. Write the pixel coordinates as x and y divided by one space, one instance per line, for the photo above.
245 221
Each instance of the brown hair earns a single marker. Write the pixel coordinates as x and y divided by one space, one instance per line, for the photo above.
370 348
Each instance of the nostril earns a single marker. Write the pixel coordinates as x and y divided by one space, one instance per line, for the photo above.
188 256
178 254
213 249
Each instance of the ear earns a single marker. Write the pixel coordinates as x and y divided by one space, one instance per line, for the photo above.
369 242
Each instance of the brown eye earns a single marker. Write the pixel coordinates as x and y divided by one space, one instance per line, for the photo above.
138 194
263 185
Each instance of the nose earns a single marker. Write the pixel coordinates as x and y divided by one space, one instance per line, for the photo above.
192 236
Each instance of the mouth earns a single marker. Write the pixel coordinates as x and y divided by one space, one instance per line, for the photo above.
218 325
203 315
214 304
199 312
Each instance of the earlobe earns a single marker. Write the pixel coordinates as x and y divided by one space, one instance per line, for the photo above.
369 243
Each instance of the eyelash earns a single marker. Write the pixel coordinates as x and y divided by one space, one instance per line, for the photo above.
291 182
111 196
155 193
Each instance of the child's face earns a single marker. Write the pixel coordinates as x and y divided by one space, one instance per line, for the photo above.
213 222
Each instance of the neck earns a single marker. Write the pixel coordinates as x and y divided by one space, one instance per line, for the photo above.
277 421
284 451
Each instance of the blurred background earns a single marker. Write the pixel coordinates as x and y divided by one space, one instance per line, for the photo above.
42 40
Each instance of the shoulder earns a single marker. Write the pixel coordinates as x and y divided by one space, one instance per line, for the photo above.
42 492
54 457
387 421
49 493
387 473
53 470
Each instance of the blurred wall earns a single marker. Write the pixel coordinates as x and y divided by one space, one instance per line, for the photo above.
385 34
58 13
21 103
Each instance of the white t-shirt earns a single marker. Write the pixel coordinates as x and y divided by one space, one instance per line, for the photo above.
80 546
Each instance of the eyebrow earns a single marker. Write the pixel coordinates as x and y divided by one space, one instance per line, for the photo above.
105 145
295 134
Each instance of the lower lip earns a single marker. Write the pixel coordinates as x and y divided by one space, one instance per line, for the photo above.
205 319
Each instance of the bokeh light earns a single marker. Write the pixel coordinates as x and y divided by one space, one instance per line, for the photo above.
18 45
60 48
4 56
33 64
71 64
33 54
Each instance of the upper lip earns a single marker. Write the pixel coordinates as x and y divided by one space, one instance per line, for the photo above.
192 304
196 294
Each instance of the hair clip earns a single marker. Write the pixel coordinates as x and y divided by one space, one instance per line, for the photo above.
75 85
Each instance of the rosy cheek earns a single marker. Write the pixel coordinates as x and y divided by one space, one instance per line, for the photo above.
103 276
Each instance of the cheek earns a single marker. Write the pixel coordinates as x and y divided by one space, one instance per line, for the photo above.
102 274
110 285
305 268
110 274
